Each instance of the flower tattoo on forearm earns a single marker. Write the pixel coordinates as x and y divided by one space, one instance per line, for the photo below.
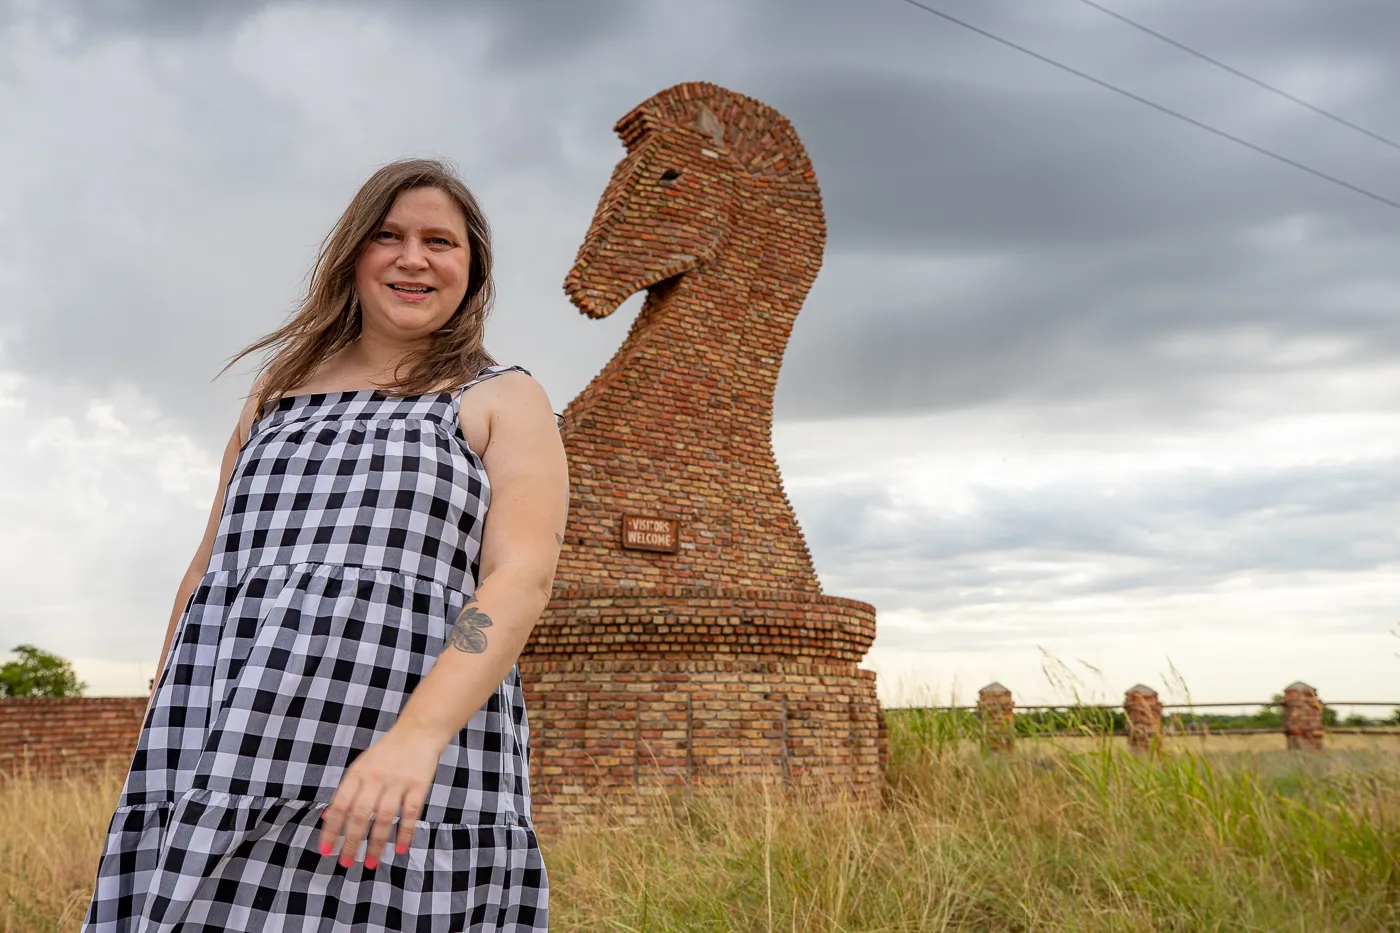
468 632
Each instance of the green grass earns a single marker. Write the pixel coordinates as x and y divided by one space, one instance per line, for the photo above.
1048 839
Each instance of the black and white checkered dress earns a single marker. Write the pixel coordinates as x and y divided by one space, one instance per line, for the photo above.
349 541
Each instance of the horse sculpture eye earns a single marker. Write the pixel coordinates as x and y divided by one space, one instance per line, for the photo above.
669 175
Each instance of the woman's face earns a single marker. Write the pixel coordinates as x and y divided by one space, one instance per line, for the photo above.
413 273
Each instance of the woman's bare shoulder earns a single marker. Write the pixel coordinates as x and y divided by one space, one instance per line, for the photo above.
513 405
513 392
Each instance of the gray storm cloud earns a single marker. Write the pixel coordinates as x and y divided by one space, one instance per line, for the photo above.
1011 249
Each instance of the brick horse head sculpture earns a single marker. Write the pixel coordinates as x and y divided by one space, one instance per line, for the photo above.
715 655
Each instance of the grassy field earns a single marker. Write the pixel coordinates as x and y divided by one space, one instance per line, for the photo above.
1063 835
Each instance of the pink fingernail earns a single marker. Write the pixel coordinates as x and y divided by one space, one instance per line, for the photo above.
326 848
401 848
346 861
371 862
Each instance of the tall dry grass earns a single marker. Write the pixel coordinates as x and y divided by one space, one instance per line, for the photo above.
51 832
1060 836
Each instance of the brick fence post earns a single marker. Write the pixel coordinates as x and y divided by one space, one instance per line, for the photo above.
996 710
1144 719
1302 718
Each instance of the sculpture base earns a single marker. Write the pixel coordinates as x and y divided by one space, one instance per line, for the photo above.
609 733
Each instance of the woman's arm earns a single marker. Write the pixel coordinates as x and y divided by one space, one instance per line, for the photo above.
520 544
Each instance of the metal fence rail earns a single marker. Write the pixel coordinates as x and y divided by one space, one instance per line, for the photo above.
1301 712
1109 706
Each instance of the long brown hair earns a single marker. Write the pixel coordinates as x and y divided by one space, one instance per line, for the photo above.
328 317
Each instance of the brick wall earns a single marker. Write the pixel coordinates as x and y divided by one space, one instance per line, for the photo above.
722 660
54 735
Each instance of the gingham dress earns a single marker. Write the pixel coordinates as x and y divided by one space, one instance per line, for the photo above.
349 542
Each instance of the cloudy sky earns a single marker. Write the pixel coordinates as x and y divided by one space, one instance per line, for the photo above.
1079 385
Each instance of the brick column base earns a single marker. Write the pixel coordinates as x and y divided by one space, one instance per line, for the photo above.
610 733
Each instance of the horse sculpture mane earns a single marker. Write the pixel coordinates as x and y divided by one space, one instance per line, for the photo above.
715 211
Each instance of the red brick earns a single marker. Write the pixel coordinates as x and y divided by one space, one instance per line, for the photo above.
677 425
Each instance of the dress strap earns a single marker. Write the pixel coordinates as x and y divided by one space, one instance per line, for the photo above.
488 373
485 374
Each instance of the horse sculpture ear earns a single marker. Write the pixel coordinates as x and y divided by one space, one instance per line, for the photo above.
707 122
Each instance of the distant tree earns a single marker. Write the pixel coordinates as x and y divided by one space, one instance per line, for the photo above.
37 673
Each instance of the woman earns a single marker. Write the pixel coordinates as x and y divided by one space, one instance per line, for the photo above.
337 740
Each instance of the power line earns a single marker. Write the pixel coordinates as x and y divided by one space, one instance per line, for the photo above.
1235 71
1156 106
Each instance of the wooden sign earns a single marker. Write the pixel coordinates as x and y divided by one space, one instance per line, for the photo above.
651 534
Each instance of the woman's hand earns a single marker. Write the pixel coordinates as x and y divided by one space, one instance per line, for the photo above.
389 779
